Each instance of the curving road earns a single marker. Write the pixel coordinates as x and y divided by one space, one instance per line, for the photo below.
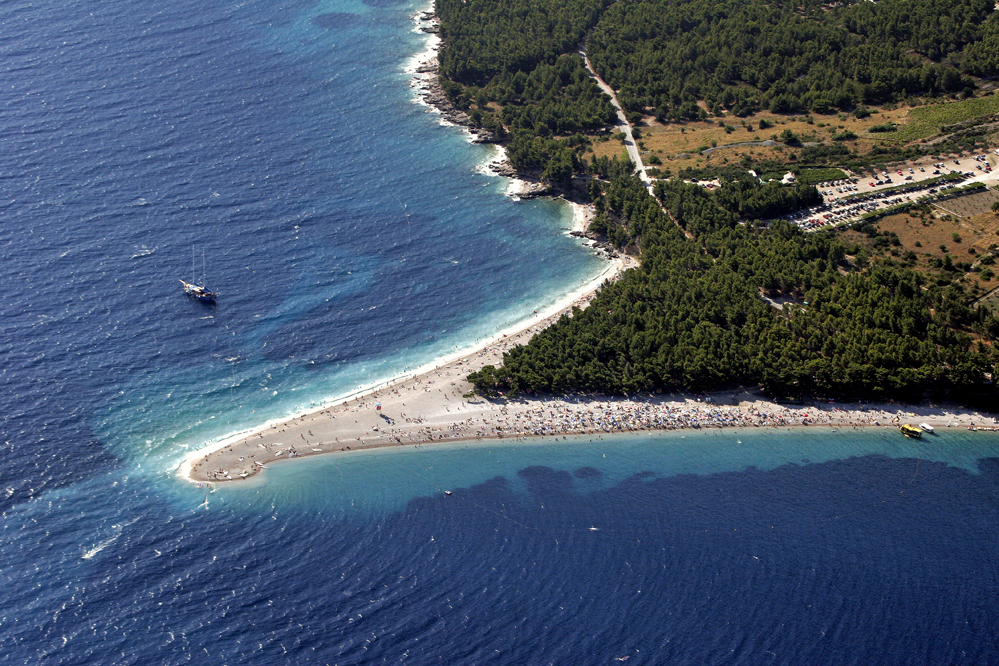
622 123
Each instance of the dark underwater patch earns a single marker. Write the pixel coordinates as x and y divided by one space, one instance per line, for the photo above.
587 473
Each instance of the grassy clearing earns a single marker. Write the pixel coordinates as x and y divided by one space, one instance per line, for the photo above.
680 145
819 175
933 235
610 148
731 139
926 121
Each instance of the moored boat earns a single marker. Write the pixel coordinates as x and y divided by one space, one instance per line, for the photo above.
926 427
195 290
910 431
202 294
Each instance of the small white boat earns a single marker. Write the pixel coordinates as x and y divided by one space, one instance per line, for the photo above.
926 427
195 290
198 292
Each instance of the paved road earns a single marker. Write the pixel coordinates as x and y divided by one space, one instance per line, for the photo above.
622 123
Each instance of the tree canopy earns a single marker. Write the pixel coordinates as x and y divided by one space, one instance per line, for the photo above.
696 314
720 298
515 64
786 56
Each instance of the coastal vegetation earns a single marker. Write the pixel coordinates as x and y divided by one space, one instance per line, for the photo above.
825 82
738 304
715 89
509 64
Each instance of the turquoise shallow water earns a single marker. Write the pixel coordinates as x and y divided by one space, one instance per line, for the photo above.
687 548
350 236
381 481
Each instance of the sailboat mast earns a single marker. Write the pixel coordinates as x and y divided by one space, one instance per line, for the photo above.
193 289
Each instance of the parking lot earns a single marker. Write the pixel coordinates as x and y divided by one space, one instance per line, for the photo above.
978 165
844 201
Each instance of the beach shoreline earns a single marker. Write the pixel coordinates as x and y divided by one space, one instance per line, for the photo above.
465 360
435 407
422 67
435 403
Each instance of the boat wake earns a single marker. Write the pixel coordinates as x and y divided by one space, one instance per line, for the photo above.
116 531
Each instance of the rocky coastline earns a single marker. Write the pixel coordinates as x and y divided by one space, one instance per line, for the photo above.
529 184
433 93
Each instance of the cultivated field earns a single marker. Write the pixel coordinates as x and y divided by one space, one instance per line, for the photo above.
926 121
969 205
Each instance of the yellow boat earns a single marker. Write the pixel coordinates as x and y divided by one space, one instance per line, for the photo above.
910 430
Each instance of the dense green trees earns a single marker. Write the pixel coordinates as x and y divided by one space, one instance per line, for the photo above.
751 200
700 312
514 64
787 57
694 314
981 58
484 38
558 98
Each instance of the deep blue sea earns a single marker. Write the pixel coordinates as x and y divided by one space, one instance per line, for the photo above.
351 236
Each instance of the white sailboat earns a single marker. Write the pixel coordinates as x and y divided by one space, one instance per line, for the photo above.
195 290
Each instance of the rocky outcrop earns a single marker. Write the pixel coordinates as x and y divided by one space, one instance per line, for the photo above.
432 93
504 169
535 189
598 243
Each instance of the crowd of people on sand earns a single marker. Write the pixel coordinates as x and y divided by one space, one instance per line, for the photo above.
440 408
575 415
465 418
